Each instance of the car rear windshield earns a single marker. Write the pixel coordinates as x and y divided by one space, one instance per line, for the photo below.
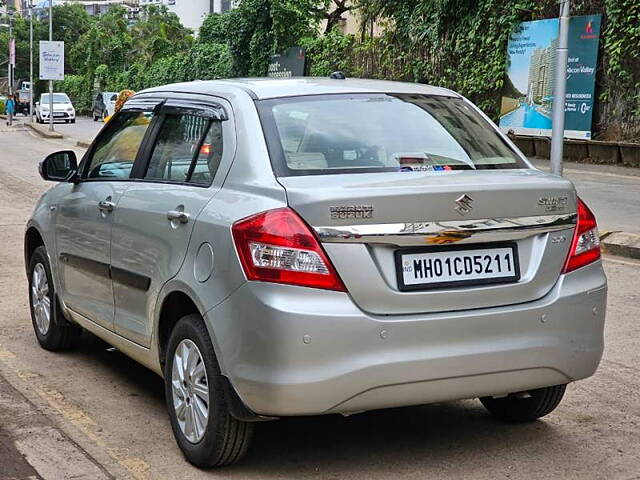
326 134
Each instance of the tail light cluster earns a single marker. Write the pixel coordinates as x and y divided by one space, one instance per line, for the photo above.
278 246
585 246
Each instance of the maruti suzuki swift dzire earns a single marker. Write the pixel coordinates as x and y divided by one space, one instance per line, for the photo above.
316 246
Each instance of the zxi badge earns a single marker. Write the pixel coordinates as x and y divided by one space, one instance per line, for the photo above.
464 204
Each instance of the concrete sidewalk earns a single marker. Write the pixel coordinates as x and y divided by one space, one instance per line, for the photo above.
43 130
32 447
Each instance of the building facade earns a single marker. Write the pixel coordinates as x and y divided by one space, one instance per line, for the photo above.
93 7
192 12
10 5
541 73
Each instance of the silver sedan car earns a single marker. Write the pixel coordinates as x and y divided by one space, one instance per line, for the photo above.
317 246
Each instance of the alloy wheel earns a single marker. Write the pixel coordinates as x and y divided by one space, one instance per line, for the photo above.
190 390
40 299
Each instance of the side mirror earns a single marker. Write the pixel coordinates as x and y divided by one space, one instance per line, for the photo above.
59 167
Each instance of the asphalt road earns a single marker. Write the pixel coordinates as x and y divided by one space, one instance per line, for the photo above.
84 129
93 413
612 192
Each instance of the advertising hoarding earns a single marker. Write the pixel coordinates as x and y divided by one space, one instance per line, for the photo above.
51 60
528 93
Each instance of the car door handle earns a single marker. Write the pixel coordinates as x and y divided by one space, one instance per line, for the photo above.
177 215
106 206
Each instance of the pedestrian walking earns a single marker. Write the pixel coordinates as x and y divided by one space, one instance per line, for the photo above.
10 109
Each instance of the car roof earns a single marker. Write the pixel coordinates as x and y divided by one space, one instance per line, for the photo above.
264 88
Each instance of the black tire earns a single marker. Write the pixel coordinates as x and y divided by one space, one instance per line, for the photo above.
226 439
517 409
95 117
61 333
73 121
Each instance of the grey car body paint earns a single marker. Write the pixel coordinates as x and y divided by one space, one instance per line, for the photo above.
296 351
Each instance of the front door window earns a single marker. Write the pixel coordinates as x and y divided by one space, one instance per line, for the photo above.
116 150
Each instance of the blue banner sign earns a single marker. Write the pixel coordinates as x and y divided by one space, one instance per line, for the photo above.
527 96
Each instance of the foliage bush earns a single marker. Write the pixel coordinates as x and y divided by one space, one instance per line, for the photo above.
458 44
329 53
78 89
2 106
621 93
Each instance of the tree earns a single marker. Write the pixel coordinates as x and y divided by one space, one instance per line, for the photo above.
70 22
108 41
334 15
259 28
159 33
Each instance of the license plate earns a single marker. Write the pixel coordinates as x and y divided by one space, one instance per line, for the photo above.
441 267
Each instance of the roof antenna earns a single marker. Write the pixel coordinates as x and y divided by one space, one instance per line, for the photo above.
337 75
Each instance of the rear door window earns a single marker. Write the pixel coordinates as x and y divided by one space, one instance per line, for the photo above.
380 132
188 149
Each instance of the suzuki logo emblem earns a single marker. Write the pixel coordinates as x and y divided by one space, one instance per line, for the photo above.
464 204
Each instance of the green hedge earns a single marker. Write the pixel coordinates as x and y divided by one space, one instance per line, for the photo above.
79 91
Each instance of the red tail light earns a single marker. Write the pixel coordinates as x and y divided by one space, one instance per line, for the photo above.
278 246
585 246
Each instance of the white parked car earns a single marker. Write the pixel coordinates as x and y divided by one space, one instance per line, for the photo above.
62 108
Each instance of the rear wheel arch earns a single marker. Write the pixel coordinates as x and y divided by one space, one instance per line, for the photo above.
175 305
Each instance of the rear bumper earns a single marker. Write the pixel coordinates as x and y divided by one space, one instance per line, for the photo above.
298 351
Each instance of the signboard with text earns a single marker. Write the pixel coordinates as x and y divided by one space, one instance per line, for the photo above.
288 64
527 97
51 60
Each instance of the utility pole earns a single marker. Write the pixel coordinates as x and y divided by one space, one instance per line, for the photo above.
31 89
560 89
12 59
51 81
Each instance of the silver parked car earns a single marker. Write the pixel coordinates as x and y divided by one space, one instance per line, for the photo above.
315 246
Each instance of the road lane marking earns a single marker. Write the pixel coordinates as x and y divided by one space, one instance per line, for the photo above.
137 468
49 452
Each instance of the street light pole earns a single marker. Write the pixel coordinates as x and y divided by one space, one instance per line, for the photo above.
560 89
31 89
51 81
